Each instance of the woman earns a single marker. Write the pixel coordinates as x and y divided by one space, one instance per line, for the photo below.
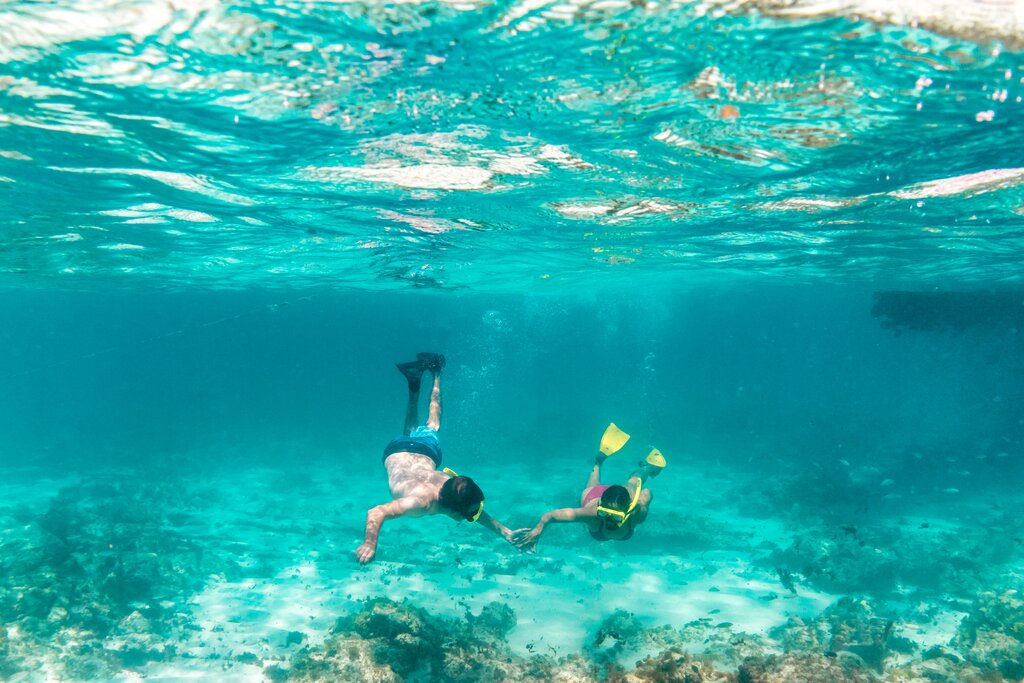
611 512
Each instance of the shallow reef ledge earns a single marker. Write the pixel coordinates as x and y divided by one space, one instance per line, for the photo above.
389 641
119 579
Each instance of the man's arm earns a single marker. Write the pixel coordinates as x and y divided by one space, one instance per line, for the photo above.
376 517
494 525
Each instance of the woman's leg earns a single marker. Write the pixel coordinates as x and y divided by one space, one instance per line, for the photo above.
644 472
595 475
595 472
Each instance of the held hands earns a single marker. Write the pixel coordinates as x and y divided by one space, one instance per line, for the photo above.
366 552
526 539
511 536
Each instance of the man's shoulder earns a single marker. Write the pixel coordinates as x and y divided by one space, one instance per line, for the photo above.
421 500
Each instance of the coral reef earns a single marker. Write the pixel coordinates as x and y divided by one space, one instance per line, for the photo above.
848 633
849 641
132 577
671 666
991 637
98 583
803 667
622 636
342 658
391 641
888 559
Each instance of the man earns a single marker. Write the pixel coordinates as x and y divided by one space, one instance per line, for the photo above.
418 488
610 512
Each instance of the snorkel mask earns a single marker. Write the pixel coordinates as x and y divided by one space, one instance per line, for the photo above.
470 517
618 517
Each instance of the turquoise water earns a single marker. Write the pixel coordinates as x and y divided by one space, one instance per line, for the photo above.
782 243
503 146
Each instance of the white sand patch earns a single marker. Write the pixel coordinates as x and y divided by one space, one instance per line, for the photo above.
938 632
256 615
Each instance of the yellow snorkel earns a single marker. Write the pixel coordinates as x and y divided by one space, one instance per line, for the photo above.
479 510
619 517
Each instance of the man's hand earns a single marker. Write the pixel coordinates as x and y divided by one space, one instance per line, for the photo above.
376 516
366 552
526 539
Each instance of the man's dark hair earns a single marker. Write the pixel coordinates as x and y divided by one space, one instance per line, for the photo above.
616 497
462 495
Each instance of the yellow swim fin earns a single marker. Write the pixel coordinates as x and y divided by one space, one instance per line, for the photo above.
655 458
613 440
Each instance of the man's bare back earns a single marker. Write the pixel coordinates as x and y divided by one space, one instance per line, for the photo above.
411 475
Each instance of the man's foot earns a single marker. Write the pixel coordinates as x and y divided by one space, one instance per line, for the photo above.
432 361
413 371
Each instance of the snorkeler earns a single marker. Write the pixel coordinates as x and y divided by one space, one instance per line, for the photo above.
611 512
418 488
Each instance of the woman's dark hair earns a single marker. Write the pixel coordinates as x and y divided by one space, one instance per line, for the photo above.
462 495
616 497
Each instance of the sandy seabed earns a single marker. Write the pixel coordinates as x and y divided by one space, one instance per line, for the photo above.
205 572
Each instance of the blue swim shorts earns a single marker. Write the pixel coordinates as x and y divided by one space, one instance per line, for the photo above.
422 440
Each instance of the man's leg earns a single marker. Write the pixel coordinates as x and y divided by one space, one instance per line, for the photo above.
412 410
434 419
413 372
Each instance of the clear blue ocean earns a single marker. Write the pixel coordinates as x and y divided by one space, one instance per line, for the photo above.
781 242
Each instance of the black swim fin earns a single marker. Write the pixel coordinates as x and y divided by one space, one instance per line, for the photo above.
432 361
413 370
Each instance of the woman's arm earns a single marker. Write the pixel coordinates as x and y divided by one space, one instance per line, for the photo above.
528 540
568 515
